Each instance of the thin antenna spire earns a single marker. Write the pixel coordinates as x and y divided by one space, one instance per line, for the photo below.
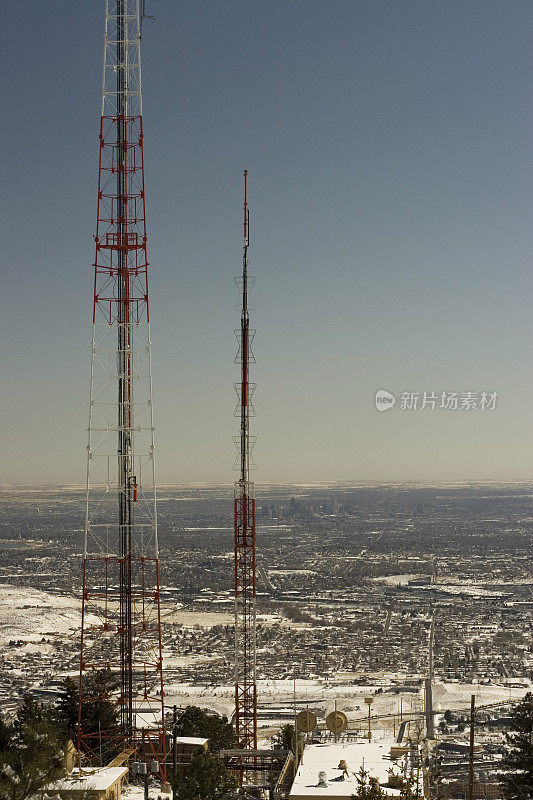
244 510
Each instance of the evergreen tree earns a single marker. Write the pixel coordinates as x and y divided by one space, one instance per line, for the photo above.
209 725
31 713
65 711
6 735
285 739
367 788
33 755
205 778
517 778
99 714
410 789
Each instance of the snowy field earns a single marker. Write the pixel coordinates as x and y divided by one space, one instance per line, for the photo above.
454 587
395 580
276 699
209 619
29 615
457 695
193 619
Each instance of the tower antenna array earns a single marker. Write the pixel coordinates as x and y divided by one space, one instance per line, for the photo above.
120 655
244 509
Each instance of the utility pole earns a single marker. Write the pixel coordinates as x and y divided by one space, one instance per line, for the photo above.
471 749
369 701
295 728
174 747
121 624
244 514
428 694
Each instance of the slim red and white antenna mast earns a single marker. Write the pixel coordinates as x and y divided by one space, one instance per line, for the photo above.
121 627
244 508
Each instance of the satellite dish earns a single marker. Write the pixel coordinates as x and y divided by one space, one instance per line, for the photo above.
336 722
306 721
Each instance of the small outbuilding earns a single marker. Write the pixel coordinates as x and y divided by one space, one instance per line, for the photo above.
187 746
100 783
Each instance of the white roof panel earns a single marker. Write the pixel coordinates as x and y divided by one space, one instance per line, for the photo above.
375 756
98 779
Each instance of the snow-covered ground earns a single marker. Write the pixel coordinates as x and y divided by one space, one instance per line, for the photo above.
395 580
388 707
457 695
191 619
28 614
272 573
135 791
449 586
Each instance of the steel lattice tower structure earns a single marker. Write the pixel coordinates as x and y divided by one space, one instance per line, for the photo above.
121 625
244 510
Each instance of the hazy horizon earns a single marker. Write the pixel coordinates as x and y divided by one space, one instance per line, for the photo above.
422 484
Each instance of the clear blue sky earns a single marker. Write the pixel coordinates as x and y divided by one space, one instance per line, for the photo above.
389 154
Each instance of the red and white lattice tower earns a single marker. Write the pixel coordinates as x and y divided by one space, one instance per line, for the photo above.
121 626
244 508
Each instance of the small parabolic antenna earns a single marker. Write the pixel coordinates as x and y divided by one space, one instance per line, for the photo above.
306 721
336 722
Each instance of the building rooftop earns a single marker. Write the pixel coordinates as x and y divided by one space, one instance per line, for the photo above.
98 779
325 758
192 740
